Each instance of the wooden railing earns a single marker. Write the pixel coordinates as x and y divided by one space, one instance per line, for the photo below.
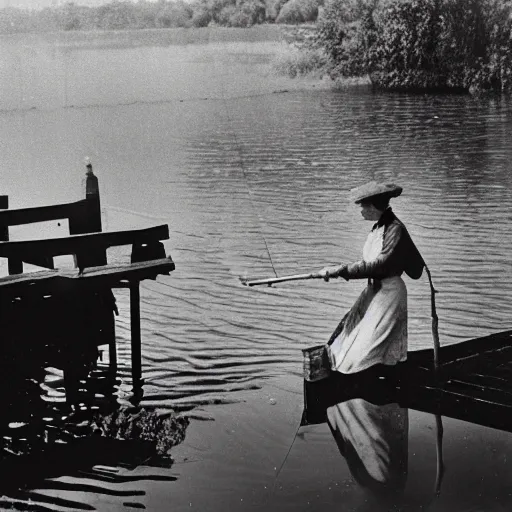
94 277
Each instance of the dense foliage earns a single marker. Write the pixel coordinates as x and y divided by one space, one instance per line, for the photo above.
420 44
119 15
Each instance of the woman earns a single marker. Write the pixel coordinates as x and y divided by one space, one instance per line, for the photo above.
374 331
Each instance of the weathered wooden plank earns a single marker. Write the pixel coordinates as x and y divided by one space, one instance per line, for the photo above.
121 271
489 381
453 404
452 354
40 213
49 282
474 390
82 243
27 279
486 363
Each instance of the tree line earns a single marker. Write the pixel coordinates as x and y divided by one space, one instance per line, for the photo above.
434 45
122 15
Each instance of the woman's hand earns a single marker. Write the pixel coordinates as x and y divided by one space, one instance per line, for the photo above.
328 272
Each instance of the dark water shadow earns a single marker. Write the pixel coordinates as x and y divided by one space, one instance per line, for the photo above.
94 445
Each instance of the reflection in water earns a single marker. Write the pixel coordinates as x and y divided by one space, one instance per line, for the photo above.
50 452
439 455
374 441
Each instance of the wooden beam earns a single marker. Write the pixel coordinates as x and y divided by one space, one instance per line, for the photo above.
121 271
49 282
76 244
41 213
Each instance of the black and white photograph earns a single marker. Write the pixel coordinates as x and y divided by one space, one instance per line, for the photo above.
255 255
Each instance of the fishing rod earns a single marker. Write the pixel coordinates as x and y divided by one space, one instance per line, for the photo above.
269 282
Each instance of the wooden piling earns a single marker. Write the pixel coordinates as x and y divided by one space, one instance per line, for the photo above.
135 334
88 220
15 266
4 230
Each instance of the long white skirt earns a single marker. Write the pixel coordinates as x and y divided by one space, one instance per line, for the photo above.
375 329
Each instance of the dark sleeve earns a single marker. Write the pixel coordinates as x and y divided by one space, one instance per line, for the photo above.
386 264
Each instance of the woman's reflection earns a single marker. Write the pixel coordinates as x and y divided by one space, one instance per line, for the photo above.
374 441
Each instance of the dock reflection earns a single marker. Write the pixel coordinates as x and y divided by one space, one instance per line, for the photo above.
56 457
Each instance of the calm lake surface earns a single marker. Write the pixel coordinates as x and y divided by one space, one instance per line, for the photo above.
251 170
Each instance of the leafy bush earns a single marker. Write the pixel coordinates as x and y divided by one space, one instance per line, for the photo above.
115 16
201 17
420 44
248 13
216 7
298 11
345 31
273 7
173 14
224 16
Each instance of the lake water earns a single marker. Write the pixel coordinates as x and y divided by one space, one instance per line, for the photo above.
252 171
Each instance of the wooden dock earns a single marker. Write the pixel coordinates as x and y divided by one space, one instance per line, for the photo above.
473 383
60 316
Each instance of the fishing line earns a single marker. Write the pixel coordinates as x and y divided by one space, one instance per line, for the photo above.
286 457
246 181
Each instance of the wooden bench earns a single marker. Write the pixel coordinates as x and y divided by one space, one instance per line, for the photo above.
92 278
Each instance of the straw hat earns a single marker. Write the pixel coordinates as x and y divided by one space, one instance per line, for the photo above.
372 189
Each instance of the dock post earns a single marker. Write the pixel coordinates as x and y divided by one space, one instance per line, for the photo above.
88 220
135 335
4 230
14 266
92 196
